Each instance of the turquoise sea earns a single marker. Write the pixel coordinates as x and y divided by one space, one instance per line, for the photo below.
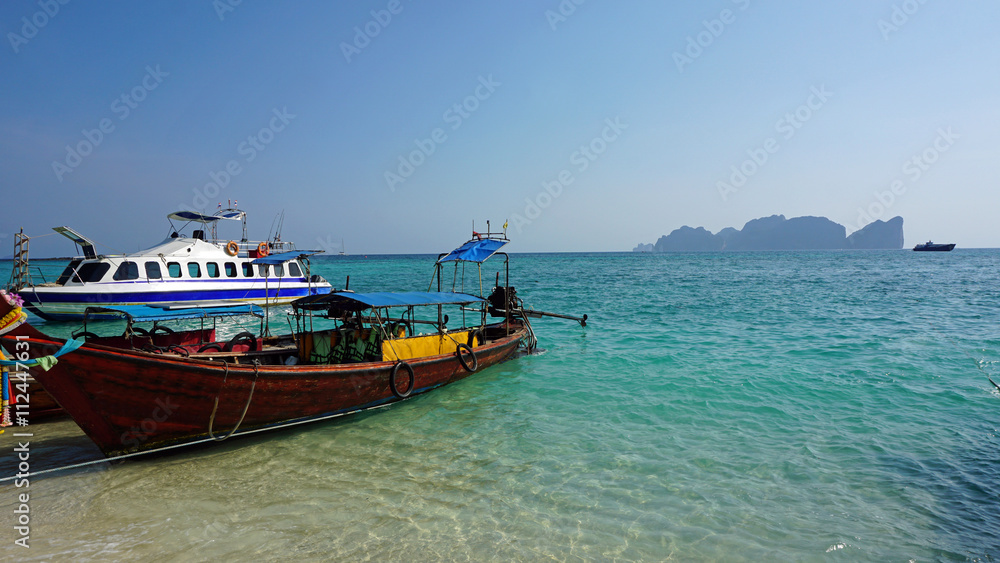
760 406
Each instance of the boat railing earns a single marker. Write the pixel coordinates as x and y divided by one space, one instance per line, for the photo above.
251 248
275 246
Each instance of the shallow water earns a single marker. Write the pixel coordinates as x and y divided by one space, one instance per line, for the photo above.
742 406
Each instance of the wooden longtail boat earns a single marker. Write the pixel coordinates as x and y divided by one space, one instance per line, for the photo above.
157 338
129 400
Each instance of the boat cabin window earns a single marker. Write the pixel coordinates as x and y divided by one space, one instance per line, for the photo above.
279 271
174 269
127 271
212 269
263 270
293 270
70 271
94 271
231 270
153 271
194 269
247 270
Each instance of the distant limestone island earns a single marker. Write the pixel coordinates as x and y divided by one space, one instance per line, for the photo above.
777 233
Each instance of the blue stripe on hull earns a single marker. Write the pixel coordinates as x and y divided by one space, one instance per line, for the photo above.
69 306
163 296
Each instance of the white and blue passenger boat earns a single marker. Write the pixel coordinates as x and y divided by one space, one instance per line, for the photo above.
182 271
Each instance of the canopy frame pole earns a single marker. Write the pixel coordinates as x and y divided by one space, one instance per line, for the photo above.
437 268
506 284
387 338
309 283
267 315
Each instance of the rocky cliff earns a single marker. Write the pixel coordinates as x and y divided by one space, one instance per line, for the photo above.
880 234
686 238
778 233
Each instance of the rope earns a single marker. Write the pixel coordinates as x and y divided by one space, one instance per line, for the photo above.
955 345
386 338
532 340
978 364
211 420
448 334
186 444
40 236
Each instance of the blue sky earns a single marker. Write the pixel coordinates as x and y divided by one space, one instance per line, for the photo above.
393 125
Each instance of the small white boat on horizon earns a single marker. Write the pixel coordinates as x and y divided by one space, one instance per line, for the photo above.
182 271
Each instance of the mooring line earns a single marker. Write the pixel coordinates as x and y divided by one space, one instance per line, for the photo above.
957 346
256 368
186 444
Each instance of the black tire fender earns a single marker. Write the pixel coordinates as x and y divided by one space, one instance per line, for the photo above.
392 380
474 334
461 358
242 336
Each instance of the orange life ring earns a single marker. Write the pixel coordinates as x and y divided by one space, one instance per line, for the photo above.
232 248
263 250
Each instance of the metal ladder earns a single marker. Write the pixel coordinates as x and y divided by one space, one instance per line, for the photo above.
20 276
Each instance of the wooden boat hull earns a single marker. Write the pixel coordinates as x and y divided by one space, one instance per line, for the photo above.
43 406
128 401
40 405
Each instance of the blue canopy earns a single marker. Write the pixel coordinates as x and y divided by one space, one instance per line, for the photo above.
202 218
283 257
475 250
359 301
143 313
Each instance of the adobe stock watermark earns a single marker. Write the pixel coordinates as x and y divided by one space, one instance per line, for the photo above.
787 127
563 11
364 34
31 26
900 16
249 149
329 245
224 7
122 107
21 416
221 527
704 39
456 115
913 170
137 435
581 158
